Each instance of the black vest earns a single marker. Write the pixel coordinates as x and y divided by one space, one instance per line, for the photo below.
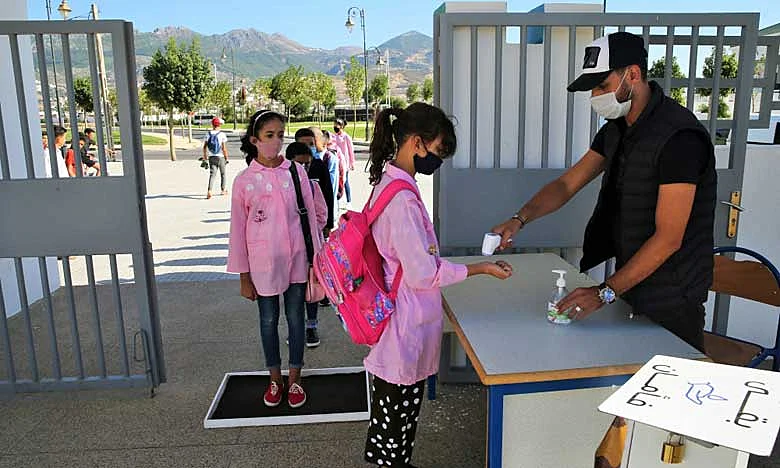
629 199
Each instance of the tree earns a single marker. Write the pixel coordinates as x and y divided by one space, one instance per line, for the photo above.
427 90
729 69
219 97
289 86
82 92
177 78
322 91
354 82
659 69
378 90
398 102
413 93
261 88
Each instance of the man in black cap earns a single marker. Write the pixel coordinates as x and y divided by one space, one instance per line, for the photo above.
656 208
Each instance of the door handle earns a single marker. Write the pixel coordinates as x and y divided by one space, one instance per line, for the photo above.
734 210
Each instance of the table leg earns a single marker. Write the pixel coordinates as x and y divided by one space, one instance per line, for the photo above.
495 423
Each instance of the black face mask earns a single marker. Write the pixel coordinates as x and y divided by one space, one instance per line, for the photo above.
337 129
428 164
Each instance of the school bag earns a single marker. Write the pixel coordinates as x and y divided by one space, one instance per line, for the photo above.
349 267
213 144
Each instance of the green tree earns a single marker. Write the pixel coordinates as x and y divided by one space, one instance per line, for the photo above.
177 78
397 102
301 108
219 97
427 90
355 84
413 93
261 88
378 90
322 91
289 86
729 69
659 68
82 92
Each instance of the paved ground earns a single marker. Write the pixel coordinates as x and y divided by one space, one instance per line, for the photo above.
207 330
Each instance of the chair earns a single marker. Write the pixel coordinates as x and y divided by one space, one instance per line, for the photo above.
755 280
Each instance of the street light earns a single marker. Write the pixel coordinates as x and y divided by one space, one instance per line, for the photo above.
53 63
233 71
64 9
351 13
384 59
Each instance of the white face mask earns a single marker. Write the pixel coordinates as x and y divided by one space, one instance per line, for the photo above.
607 105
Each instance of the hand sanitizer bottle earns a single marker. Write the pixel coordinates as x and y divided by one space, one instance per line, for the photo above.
553 314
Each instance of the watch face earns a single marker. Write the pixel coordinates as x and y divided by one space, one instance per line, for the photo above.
609 295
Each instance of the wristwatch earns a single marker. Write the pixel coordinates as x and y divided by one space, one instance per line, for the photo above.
522 220
606 294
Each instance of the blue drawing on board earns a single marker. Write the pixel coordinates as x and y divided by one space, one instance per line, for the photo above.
698 392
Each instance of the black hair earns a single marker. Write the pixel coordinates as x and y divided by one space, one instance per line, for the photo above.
59 130
296 149
340 121
426 121
257 121
303 133
89 130
82 137
642 69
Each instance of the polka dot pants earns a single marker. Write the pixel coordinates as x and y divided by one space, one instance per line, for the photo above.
395 410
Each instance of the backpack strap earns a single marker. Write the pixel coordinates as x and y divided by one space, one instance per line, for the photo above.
386 196
302 212
384 199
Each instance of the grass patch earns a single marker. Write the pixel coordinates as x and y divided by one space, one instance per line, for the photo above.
357 132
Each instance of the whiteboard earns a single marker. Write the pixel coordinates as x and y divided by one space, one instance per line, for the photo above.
735 407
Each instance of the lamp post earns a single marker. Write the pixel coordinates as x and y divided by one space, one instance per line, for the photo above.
351 13
64 10
233 86
384 59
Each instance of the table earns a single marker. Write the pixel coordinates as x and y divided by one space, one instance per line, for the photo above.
545 380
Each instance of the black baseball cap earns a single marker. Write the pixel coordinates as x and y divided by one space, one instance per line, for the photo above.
608 53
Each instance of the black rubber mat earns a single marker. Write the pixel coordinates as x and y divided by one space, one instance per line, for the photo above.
325 394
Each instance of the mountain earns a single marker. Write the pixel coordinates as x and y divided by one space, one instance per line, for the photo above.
258 54
261 54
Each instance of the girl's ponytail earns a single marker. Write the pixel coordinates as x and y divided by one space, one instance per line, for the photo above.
383 142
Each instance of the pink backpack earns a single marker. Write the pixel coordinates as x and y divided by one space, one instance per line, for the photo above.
349 267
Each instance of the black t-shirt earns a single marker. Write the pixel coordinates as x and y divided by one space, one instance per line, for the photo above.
317 170
683 159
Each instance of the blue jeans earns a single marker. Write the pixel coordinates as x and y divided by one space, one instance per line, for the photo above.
311 314
296 328
347 191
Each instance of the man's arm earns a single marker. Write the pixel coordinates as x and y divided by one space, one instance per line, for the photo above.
205 145
673 210
224 148
554 195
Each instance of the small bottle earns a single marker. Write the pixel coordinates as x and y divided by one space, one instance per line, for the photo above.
553 314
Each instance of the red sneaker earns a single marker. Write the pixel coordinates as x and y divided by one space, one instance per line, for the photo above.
296 397
273 395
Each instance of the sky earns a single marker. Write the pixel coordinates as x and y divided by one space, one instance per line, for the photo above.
320 23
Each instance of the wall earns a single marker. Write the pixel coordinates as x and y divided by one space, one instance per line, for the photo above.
17 10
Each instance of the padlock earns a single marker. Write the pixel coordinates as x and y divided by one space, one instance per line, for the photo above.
672 452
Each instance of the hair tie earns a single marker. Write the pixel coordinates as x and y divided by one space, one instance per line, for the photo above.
393 118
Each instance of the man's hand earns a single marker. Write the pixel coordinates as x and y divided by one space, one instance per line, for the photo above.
506 230
581 302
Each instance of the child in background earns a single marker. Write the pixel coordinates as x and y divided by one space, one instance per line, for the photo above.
301 154
267 247
344 143
318 170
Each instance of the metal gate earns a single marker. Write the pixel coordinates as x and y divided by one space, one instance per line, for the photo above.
503 77
69 316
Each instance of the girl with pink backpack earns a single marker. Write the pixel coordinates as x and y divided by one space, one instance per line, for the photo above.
405 143
271 240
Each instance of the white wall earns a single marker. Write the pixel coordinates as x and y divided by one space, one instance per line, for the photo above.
17 10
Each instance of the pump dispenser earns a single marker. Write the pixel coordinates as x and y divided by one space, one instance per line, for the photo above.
559 292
